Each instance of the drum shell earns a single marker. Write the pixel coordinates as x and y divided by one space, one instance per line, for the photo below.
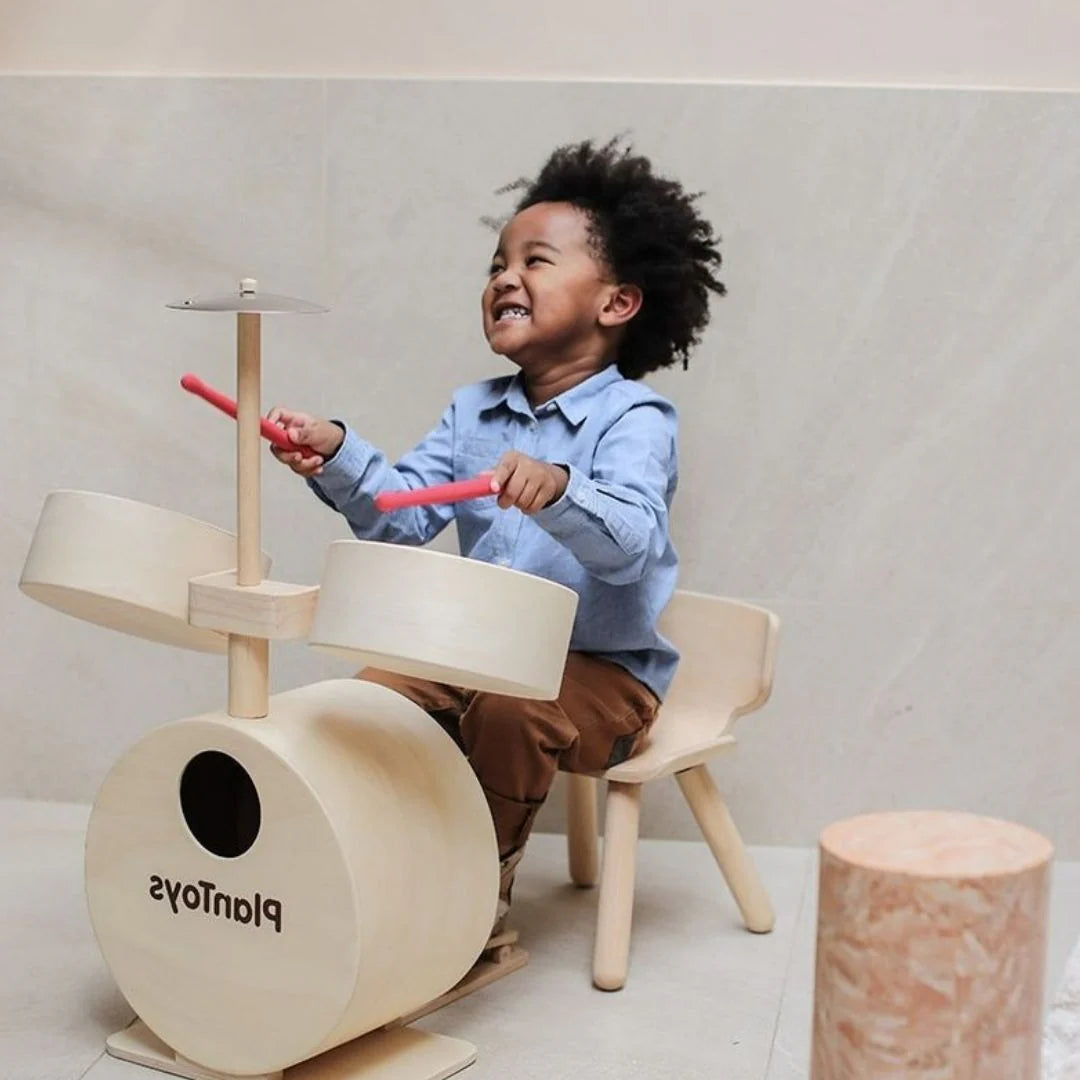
445 618
125 565
375 842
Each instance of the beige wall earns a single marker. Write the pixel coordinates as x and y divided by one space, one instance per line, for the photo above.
902 306
1014 43
876 433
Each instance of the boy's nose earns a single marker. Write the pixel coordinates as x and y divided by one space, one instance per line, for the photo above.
506 280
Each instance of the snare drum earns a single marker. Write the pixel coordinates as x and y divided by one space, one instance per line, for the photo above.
445 618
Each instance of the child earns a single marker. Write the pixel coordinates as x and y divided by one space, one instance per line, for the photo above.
601 276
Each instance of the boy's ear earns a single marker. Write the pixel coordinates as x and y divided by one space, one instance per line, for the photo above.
623 303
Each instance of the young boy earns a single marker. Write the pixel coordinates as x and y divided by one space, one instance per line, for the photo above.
601 276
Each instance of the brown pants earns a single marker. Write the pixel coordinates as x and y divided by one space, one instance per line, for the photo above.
517 746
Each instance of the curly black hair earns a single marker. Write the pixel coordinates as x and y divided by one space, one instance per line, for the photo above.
648 232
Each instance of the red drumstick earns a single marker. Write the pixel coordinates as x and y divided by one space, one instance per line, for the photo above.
193 384
476 488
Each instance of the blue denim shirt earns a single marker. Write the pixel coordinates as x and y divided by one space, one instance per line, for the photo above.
606 538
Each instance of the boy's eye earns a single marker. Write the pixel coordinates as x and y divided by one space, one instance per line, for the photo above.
497 268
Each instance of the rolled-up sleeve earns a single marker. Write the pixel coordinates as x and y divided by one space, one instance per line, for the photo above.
615 521
352 478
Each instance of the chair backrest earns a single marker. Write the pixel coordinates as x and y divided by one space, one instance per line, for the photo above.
728 653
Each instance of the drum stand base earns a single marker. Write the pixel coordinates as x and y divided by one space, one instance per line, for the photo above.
395 1052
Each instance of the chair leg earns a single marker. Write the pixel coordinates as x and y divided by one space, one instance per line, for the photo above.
611 957
727 847
581 829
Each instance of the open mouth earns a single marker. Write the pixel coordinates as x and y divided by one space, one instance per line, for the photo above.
511 313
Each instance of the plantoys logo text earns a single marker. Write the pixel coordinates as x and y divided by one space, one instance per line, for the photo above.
204 897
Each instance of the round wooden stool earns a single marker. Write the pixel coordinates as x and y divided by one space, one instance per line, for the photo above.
930 949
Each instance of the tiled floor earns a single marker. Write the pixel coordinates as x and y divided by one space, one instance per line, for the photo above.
705 999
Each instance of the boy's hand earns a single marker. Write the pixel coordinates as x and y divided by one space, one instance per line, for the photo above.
322 436
526 483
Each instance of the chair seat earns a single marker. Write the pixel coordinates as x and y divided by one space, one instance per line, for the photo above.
675 743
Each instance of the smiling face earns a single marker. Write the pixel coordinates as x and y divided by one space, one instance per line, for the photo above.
549 298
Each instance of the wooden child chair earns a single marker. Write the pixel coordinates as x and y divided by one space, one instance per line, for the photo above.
728 657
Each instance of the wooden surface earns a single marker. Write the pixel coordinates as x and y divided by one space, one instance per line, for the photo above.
502 956
375 843
397 1054
249 676
249 656
139 1045
716 824
277 610
248 449
728 660
931 949
394 1054
611 953
444 617
125 565
581 829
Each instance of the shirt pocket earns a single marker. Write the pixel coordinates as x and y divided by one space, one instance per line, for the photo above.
476 454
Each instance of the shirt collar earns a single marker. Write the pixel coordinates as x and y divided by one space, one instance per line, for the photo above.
574 403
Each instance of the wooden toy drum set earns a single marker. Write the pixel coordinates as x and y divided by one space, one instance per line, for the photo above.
285 883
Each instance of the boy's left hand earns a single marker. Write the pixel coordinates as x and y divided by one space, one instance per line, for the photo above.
526 483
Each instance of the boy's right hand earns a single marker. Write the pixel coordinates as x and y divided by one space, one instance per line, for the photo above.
321 435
